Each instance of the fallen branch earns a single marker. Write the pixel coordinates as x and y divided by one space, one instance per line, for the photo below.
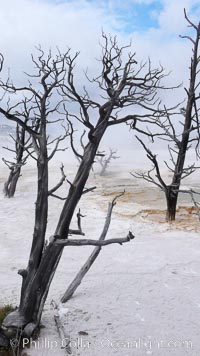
61 328
85 268
86 242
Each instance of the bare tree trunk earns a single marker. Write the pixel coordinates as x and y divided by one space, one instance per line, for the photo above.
185 140
173 189
171 198
16 166
11 184
35 284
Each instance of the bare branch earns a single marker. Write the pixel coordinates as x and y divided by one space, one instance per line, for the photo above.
153 159
87 190
85 242
57 197
60 183
71 134
1 61
189 21
58 140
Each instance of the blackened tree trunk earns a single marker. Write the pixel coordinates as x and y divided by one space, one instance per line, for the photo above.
20 160
11 184
171 199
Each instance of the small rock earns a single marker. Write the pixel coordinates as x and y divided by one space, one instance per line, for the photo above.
83 333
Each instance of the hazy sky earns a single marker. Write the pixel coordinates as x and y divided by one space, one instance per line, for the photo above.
153 26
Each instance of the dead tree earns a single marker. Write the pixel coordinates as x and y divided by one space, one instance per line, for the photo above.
124 85
21 147
104 160
178 142
34 112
